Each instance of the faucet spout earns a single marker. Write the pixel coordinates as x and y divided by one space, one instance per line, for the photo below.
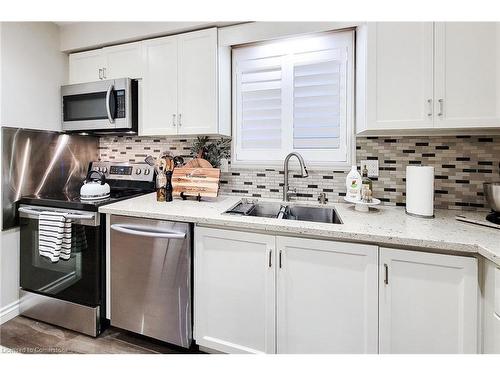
303 170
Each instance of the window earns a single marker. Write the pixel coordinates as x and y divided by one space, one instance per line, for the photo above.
294 95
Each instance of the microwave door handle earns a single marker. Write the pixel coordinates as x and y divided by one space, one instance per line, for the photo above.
108 109
147 232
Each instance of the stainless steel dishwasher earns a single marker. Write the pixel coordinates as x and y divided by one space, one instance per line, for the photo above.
151 278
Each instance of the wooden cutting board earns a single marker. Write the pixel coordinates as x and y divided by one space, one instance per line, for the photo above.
194 181
197 163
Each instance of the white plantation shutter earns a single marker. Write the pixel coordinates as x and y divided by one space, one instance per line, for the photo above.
316 105
261 109
294 95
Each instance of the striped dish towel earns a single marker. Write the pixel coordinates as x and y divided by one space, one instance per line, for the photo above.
54 236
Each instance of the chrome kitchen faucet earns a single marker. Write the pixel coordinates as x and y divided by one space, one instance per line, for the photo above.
303 169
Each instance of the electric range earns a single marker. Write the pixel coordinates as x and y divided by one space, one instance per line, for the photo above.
126 180
71 293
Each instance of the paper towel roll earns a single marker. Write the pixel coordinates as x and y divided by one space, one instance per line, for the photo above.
420 191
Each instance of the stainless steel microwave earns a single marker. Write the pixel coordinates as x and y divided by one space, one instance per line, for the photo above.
102 106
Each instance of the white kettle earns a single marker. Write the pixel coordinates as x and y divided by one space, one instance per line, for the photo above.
93 187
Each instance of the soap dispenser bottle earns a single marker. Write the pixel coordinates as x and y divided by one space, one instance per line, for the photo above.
353 184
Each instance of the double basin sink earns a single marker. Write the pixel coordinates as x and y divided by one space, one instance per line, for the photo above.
287 212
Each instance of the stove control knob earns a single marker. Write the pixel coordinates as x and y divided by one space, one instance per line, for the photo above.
146 171
104 170
97 169
138 171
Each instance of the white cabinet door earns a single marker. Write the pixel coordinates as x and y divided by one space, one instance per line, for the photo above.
234 291
124 61
490 291
428 303
198 82
159 87
467 71
327 297
86 66
399 80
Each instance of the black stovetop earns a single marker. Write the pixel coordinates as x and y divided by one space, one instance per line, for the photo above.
72 199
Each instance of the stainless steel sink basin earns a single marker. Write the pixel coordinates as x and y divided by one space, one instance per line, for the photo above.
271 210
316 214
287 212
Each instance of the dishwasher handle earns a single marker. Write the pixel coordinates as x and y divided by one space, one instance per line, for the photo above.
143 231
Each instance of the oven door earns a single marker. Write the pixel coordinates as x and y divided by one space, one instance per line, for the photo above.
78 279
101 105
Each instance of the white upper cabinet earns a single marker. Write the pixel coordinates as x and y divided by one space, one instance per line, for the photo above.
86 66
399 75
198 82
234 291
124 61
427 76
428 303
186 81
159 89
467 74
327 297
181 86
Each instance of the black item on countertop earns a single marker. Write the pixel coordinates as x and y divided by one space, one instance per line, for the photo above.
494 217
168 187
185 197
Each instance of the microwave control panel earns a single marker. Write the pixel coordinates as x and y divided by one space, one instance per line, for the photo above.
120 103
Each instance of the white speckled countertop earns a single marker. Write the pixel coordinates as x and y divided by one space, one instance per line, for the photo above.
386 225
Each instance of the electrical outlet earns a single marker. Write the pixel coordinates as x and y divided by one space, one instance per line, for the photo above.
371 166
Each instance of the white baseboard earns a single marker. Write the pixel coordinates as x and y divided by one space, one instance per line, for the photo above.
8 312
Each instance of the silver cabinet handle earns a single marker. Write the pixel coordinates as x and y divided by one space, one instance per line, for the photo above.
173 119
386 275
441 107
108 110
68 215
104 73
429 101
270 258
180 123
100 73
280 259
143 231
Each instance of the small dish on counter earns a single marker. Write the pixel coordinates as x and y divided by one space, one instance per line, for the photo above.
362 206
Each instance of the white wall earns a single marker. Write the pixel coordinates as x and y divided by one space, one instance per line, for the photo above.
32 69
89 35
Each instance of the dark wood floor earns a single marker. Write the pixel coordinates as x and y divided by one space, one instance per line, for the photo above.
30 336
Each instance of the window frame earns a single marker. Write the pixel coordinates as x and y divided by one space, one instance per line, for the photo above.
284 51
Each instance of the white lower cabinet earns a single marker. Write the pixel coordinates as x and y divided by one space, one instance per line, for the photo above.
491 307
258 293
327 297
234 291
428 303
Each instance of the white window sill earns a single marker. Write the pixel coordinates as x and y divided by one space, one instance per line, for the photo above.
278 165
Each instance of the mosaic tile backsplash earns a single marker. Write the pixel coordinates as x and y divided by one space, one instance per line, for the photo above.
462 164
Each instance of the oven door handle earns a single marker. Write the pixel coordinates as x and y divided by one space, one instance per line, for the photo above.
108 109
143 231
68 215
